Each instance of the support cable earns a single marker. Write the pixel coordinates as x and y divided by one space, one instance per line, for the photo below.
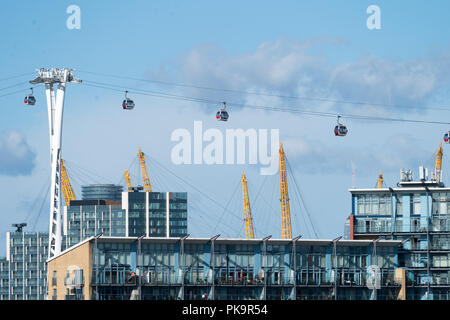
44 200
319 99
194 187
301 198
261 107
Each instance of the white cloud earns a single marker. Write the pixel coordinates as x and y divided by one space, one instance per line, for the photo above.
16 156
292 68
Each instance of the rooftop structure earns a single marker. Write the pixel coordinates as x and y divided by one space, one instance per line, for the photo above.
111 192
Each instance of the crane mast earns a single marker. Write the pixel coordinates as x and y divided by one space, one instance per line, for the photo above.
66 187
128 181
286 230
145 178
380 180
249 232
438 167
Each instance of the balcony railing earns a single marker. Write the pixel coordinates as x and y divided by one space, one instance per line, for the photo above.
413 226
73 282
74 297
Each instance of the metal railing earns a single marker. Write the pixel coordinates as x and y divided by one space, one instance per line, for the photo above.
414 226
74 297
73 282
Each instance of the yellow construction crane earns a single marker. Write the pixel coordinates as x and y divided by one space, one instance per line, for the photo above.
286 230
65 185
128 180
249 232
438 168
380 180
145 178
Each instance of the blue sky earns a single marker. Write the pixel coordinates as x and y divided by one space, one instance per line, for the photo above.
319 49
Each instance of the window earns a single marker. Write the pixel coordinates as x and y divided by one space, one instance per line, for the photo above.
416 203
440 205
366 204
398 203
374 204
443 204
415 244
415 225
374 200
154 205
441 261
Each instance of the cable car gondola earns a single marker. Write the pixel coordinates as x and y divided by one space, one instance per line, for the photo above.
222 114
340 130
30 99
127 104
447 137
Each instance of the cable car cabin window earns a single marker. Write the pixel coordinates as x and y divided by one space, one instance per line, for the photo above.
340 130
128 104
222 115
30 100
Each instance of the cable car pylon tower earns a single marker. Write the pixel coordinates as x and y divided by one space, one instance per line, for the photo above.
55 106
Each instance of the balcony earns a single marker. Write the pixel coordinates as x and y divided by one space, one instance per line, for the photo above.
441 227
74 297
75 280
239 282
375 229
72 282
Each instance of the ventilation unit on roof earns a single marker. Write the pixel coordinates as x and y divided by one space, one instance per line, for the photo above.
423 173
406 175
